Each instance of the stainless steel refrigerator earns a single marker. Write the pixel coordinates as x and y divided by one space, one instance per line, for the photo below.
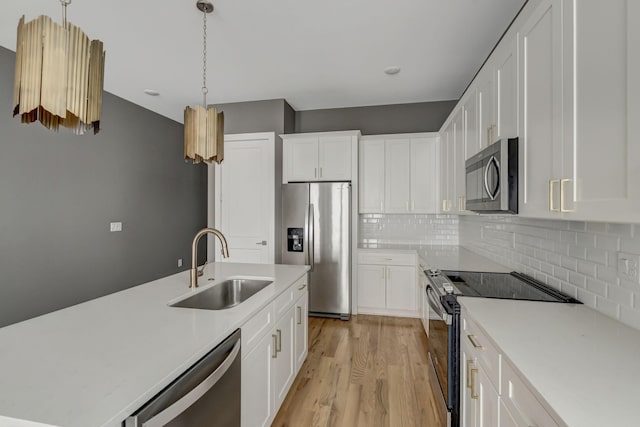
316 223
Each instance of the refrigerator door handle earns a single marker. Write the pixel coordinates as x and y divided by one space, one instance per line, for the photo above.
311 230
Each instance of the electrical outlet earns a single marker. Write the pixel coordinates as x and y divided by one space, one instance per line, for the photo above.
179 262
115 226
629 266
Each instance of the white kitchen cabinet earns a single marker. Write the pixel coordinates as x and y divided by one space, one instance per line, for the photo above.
256 386
301 330
323 156
541 111
470 127
387 283
284 368
447 168
401 288
458 167
506 419
372 287
505 106
486 105
397 193
607 107
424 165
274 347
371 169
399 173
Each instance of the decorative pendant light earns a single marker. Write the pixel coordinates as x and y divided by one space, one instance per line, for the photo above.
203 125
59 76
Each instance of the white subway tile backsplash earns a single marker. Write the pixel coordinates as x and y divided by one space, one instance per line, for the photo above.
579 258
408 229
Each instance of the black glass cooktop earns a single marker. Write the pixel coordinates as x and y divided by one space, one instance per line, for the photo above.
504 286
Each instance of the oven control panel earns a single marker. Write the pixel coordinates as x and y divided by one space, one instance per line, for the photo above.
439 281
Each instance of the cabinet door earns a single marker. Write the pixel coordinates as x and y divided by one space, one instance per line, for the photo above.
489 401
458 167
302 330
486 103
397 175
371 169
401 288
303 159
446 174
424 175
257 387
506 92
468 398
608 130
541 111
371 286
470 127
284 363
506 419
334 158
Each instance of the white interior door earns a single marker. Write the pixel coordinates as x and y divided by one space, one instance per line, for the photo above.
245 198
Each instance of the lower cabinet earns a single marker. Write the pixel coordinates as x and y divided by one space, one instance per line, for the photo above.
387 283
491 393
275 345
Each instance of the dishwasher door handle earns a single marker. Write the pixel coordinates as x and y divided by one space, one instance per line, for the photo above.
190 398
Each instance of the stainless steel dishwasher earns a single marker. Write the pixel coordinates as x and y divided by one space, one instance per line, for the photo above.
207 394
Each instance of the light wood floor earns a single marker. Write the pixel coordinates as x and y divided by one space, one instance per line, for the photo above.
370 371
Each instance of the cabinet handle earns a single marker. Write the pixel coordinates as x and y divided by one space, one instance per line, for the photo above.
474 372
299 315
562 183
274 355
315 172
278 341
320 172
302 287
469 362
552 182
474 341
444 205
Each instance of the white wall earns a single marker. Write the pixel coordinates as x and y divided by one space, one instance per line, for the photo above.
579 258
408 229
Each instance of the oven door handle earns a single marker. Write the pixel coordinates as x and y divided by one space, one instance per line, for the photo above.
434 303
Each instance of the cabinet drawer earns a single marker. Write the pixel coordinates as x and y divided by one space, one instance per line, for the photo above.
521 402
256 327
286 300
386 258
488 356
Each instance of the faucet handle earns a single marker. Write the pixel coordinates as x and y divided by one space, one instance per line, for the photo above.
201 271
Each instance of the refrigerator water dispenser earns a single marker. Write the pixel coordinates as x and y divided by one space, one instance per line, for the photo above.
295 241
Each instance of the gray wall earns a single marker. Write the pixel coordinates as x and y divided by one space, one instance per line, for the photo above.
376 120
59 191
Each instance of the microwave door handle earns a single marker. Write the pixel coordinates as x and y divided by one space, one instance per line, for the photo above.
191 397
492 195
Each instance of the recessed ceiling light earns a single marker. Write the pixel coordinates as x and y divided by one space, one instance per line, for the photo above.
151 92
392 70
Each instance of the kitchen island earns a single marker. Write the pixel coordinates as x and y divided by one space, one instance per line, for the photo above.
95 363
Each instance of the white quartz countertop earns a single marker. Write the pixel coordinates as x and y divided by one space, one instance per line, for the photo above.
583 364
444 257
95 363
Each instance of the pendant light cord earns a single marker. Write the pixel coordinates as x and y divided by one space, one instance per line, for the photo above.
204 60
64 4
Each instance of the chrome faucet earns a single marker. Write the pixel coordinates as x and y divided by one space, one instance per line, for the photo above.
193 282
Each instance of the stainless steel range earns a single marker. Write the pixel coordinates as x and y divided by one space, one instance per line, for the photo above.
444 325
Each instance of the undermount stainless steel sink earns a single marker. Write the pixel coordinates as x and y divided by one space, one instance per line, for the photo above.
224 295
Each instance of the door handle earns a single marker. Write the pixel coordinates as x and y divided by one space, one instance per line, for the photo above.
320 171
302 287
311 238
552 182
279 341
562 183
274 355
474 372
492 161
299 315
474 341
262 243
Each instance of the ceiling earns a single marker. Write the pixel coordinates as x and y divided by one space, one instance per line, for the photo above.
314 54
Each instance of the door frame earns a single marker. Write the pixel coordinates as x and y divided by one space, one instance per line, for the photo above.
213 192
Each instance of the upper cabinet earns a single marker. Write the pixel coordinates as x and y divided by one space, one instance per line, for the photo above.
565 80
398 173
319 156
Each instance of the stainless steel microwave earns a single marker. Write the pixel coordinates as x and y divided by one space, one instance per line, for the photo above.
492 178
